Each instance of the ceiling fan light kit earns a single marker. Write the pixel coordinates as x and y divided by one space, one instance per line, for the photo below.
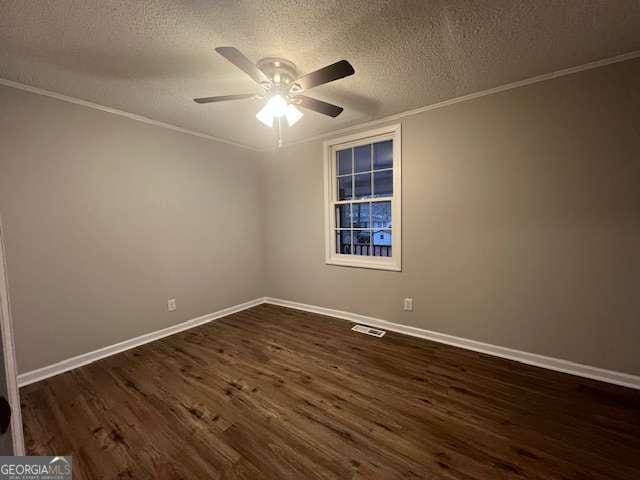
293 115
277 107
283 88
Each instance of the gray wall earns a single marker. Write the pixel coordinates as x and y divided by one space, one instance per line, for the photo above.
106 218
521 222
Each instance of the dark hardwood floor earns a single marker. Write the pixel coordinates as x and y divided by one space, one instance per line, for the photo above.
277 393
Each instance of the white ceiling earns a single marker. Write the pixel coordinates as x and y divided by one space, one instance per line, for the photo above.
152 58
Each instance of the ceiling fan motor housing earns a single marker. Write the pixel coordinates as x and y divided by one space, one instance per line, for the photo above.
281 72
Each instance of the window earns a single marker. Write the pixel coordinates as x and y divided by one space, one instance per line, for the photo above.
362 199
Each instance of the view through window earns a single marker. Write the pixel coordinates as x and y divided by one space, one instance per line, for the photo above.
364 205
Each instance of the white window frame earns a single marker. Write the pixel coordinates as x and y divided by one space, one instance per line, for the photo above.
391 132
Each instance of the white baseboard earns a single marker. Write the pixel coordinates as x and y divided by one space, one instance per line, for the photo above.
86 358
551 363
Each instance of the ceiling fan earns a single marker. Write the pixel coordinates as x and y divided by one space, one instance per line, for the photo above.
283 87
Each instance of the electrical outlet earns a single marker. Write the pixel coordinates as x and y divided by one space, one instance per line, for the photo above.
171 304
408 304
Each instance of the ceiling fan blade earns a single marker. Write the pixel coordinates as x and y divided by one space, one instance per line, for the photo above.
318 105
327 74
243 63
224 98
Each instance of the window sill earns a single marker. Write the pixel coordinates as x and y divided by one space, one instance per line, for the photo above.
359 263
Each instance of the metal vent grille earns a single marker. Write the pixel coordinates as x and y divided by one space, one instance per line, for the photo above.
368 330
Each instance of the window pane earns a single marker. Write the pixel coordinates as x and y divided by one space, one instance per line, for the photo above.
383 155
381 214
363 158
362 242
383 183
363 185
343 162
360 215
343 241
382 243
345 187
343 216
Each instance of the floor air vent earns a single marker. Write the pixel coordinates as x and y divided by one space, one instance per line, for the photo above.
368 330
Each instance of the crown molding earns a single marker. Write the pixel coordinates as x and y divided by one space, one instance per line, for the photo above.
358 126
121 113
471 96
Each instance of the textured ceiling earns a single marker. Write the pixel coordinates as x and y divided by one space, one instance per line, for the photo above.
152 57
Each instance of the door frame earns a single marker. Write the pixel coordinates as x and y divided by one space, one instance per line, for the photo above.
9 349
